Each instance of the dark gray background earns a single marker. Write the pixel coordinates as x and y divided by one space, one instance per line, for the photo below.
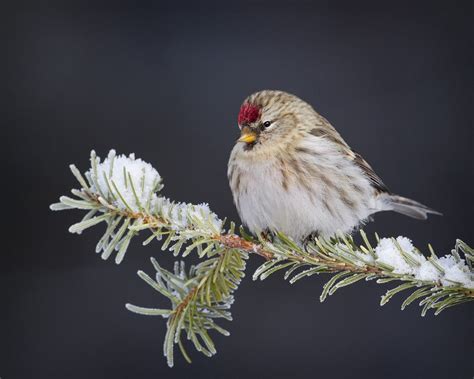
166 82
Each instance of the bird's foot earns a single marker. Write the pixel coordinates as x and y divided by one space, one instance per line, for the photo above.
267 235
310 238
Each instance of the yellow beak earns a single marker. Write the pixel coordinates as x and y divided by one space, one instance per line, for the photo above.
247 136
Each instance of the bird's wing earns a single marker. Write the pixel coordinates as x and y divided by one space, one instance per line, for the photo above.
375 180
327 131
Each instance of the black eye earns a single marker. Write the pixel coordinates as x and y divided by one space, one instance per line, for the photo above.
266 124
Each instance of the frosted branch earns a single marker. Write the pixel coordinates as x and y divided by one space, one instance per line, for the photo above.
124 194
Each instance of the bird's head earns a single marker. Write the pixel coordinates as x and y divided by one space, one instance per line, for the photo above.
269 118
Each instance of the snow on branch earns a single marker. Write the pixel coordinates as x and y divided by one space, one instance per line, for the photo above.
124 193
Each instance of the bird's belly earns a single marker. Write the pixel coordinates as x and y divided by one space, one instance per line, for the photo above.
297 209
289 212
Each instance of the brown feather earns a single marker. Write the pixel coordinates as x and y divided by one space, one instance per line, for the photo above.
375 180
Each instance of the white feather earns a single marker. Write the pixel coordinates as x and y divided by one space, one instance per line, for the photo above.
263 202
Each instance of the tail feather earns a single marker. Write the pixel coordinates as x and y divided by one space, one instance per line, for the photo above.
408 207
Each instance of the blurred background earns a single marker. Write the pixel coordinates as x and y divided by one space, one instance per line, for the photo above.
166 81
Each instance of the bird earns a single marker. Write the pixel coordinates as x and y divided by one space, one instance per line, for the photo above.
292 172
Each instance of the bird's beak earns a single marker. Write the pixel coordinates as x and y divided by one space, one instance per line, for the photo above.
247 136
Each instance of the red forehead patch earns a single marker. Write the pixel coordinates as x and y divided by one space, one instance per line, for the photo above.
248 113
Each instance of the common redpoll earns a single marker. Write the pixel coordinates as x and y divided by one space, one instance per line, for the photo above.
291 171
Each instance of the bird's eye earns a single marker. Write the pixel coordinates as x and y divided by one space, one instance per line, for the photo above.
266 124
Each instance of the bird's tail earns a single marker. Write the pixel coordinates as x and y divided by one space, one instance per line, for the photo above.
407 207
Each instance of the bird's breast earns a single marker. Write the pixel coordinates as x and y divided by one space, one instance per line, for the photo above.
308 188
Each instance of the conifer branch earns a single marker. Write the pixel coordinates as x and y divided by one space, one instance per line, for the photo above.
123 193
